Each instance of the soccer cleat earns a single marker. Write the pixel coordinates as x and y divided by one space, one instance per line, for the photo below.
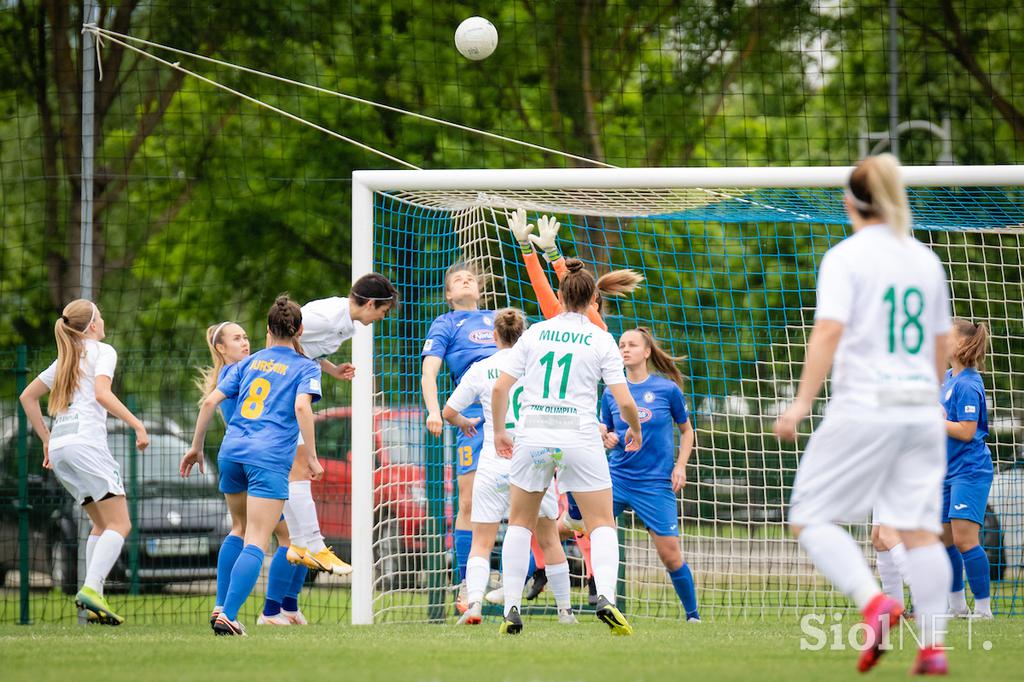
214 614
567 617
326 560
575 525
982 615
881 609
930 661
693 620
496 596
958 613
462 599
540 581
301 555
473 615
277 619
295 617
612 617
225 627
591 591
89 599
512 624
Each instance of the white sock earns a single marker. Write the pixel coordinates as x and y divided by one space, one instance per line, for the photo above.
515 562
898 554
930 575
558 581
90 546
892 581
104 556
478 572
982 606
957 600
838 557
301 510
604 560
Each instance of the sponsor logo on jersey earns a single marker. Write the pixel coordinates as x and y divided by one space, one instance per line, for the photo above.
960 506
645 414
970 409
459 323
481 336
949 394
428 344
314 384
649 397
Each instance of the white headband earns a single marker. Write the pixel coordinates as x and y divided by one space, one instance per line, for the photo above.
213 336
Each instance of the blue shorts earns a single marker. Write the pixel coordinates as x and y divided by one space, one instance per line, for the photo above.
965 498
467 450
654 503
258 481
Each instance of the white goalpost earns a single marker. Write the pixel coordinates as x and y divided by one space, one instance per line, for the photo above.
729 256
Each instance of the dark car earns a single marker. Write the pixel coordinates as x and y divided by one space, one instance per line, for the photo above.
178 524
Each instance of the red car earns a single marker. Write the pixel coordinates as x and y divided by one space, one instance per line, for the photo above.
399 487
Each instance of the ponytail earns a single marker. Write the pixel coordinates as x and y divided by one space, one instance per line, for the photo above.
876 191
69 331
207 379
973 345
664 363
619 282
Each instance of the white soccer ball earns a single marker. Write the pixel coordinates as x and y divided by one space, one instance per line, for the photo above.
476 38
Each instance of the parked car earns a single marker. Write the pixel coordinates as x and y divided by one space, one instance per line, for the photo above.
178 523
399 483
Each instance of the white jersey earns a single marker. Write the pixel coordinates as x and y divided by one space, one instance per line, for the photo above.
85 420
326 323
891 296
476 386
560 362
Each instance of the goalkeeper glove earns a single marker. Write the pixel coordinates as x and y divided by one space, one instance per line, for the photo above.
521 229
546 240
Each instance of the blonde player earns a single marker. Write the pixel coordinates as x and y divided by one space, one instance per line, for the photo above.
327 323
491 485
78 382
882 320
561 361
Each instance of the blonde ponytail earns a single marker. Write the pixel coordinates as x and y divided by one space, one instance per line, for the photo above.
877 191
207 379
664 363
619 282
69 331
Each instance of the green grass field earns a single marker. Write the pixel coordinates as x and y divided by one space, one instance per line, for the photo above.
709 651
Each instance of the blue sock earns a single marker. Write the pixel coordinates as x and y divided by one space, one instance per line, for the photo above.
958 568
976 563
574 510
243 578
682 580
463 545
291 596
279 578
226 558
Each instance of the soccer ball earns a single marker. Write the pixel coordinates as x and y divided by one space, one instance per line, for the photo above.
476 38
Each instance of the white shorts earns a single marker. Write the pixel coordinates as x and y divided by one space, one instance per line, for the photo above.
88 472
580 467
855 465
491 497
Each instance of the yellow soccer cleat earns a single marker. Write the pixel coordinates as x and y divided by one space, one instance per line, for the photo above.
326 560
301 555
89 599
612 617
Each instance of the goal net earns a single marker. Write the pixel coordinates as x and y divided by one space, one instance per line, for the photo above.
729 258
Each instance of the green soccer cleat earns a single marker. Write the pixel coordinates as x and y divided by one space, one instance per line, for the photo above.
612 617
89 599
513 624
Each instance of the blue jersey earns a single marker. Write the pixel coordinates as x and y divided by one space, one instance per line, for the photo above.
263 430
227 406
662 406
963 397
461 338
